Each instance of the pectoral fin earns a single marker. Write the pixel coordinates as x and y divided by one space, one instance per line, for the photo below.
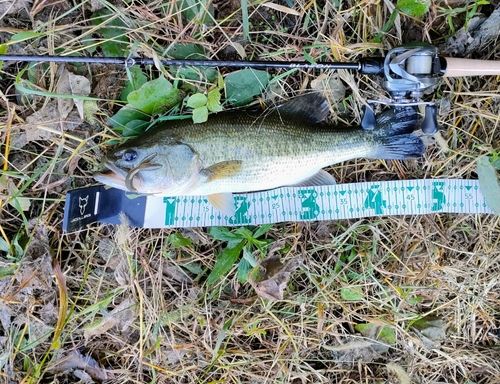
222 170
318 179
224 202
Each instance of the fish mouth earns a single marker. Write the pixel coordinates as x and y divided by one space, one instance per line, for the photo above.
114 177
130 180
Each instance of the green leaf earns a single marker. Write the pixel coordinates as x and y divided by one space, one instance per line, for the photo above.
25 35
308 57
111 49
488 183
186 51
413 7
114 31
195 10
7 271
197 100
220 81
89 43
222 233
176 240
262 230
194 268
136 79
248 256
431 326
243 85
225 262
385 333
496 164
133 128
3 51
20 203
155 96
244 268
4 246
200 114
194 73
125 115
351 294
415 300
261 245
244 233
213 102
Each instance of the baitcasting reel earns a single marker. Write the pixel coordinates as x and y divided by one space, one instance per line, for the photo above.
409 71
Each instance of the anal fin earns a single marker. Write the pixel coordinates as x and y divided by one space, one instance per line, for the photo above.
224 202
320 178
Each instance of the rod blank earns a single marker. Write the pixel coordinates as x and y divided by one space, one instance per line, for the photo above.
128 62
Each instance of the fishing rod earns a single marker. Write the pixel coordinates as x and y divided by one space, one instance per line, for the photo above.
409 70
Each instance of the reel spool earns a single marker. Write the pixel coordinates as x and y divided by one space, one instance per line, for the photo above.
411 70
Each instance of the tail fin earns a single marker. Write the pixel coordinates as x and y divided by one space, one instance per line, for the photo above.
396 121
393 132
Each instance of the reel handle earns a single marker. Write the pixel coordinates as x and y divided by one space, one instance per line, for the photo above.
456 67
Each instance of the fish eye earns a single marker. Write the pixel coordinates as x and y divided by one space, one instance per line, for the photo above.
129 155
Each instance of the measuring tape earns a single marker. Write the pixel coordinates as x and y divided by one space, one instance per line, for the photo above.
329 202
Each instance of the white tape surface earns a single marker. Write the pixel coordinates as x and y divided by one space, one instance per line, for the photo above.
332 202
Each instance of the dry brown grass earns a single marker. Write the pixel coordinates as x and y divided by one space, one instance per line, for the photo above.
134 311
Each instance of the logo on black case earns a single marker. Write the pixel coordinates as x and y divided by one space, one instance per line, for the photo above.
83 203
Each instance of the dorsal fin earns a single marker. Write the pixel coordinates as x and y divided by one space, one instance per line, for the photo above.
312 107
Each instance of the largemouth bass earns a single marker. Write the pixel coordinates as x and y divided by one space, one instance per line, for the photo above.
243 152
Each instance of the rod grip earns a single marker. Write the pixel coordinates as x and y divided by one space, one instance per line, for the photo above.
456 67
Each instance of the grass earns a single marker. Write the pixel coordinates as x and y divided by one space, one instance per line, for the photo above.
376 300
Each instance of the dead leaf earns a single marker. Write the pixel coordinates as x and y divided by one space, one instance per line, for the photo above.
174 356
356 344
399 371
175 273
42 125
83 376
71 84
475 36
49 313
80 86
240 49
432 327
95 5
64 106
270 277
331 84
13 6
196 235
5 314
36 274
75 360
121 317
281 8
352 349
